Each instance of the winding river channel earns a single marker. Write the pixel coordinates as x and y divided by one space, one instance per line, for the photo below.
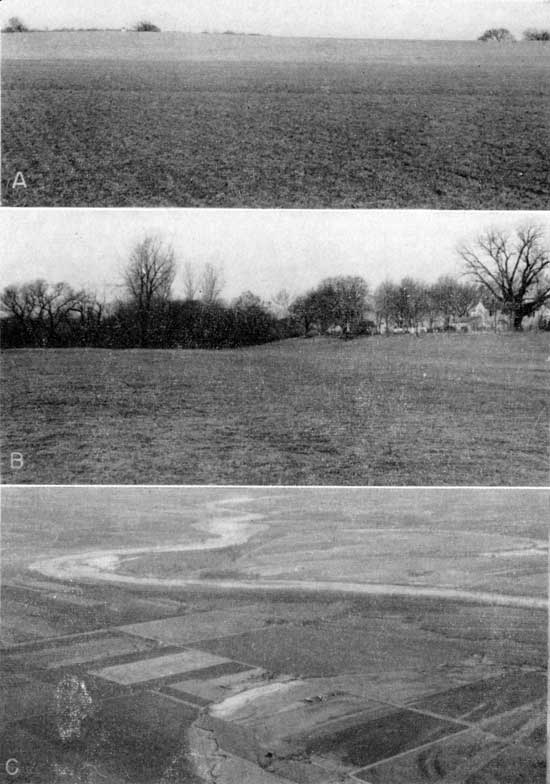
103 566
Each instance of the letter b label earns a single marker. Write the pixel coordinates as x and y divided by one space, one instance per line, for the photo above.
16 461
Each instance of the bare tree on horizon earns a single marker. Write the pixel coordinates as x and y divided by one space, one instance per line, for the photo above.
211 284
148 280
190 281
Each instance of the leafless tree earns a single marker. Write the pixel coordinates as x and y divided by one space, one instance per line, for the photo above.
148 280
336 302
498 34
452 298
246 300
413 300
385 298
190 281
280 303
42 309
352 292
210 284
513 269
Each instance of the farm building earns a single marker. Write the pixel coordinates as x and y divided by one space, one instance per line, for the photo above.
479 319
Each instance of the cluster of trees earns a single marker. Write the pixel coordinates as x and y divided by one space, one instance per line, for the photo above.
507 273
336 302
147 316
410 303
503 35
15 25
346 305
172 324
146 27
536 35
44 314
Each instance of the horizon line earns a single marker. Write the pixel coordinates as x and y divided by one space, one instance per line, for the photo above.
236 34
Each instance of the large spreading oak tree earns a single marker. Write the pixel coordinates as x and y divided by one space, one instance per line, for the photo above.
512 268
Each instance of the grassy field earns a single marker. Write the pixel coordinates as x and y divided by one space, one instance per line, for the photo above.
113 119
470 409
467 679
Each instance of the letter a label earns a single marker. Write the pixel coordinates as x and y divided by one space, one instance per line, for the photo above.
19 181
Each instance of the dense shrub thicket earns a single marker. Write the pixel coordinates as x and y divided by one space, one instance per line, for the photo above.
176 324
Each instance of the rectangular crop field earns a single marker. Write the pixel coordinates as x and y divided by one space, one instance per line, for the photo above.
102 120
81 651
458 754
383 737
457 409
160 667
486 698
193 627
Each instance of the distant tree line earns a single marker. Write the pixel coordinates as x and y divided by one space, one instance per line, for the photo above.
407 305
507 274
41 317
536 35
15 25
503 35
41 314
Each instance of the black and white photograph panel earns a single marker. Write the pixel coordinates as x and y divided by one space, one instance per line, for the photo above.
275 347
274 635
280 103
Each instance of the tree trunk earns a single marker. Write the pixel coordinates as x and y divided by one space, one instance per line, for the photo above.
517 319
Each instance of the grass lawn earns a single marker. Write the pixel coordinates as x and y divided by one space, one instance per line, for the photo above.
111 119
456 409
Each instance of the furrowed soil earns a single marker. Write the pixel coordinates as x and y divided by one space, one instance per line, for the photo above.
119 119
446 410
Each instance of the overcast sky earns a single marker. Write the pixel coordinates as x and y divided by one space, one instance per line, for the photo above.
259 250
447 19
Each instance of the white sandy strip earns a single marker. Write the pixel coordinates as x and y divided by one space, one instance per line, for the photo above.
102 566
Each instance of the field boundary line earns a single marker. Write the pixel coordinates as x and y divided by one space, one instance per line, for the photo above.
408 751
429 713
45 641
175 699
202 640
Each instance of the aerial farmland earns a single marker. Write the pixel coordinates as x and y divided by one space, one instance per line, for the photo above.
190 120
274 635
